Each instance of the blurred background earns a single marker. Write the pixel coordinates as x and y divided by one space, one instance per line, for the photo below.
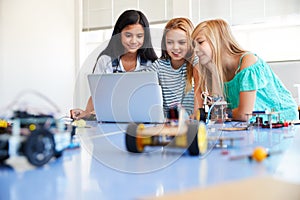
47 47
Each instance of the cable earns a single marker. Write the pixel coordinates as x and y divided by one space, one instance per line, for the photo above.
218 99
36 93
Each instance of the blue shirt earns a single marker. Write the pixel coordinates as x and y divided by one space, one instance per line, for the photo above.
271 94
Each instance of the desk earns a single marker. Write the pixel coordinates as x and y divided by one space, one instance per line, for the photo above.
103 169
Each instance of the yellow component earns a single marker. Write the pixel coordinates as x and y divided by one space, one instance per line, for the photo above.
139 144
259 154
141 127
181 140
146 140
198 115
202 138
79 123
3 123
32 127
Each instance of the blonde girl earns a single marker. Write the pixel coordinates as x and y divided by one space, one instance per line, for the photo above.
247 82
176 66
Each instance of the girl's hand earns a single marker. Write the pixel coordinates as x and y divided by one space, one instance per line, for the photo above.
79 114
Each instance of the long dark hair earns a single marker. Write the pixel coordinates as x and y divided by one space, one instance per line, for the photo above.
115 48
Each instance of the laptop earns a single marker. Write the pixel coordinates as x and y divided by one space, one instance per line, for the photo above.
127 97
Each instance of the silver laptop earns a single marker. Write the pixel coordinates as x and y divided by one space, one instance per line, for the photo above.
127 97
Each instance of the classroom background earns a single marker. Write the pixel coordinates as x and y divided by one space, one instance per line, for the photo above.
48 46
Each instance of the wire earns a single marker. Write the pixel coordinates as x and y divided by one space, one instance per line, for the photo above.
36 93
211 107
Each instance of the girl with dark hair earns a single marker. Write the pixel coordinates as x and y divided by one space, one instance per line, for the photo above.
129 49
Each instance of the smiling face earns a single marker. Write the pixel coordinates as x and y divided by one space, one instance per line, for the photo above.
176 44
202 49
132 37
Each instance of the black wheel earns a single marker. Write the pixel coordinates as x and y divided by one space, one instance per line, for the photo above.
39 147
131 140
193 139
4 150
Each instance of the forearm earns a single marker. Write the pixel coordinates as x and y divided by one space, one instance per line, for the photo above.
90 105
245 107
216 85
237 115
198 101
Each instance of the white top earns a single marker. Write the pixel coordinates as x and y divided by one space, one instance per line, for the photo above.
104 65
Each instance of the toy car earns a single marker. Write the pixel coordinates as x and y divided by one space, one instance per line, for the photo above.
192 136
38 137
188 134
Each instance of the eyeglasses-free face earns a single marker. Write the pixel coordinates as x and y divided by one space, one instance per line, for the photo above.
132 38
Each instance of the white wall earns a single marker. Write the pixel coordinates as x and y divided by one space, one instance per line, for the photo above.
279 41
40 38
37 40
289 74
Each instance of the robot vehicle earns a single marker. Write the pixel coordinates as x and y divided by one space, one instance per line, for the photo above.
37 137
189 134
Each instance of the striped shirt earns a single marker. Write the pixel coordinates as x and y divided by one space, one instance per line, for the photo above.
173 82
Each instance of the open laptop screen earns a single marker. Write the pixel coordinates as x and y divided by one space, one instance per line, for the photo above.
127 97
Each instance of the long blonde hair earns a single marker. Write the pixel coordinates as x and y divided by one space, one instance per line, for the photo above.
221 40
187 26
